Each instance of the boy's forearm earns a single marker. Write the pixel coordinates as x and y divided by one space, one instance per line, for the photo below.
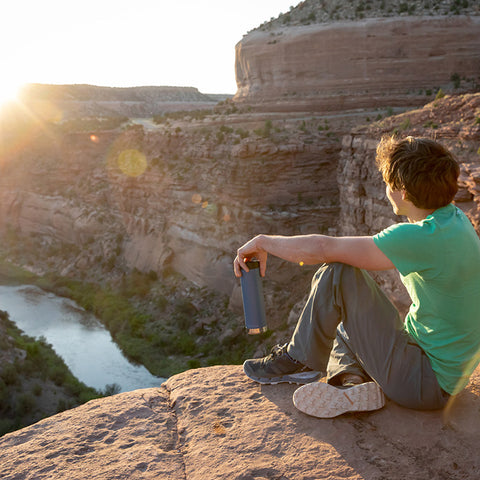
302 249
359 252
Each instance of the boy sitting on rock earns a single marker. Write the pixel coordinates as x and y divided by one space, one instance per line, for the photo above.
350 331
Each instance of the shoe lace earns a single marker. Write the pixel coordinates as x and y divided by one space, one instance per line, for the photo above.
278 350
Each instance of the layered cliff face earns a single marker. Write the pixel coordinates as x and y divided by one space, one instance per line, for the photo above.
369 63
184 196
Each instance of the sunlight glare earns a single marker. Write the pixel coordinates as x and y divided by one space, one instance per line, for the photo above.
9 90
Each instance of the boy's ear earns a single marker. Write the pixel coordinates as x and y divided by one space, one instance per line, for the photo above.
404 194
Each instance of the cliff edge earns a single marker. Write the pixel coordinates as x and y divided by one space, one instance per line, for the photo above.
215 423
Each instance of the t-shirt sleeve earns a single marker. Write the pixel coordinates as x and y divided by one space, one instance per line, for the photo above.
407 246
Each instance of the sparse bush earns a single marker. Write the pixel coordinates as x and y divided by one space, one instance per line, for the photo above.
9 374
6 425
194 363
225 129
266 131
4 397
220 137
242 133
37 390
111 389
455 78
303 127
25 404
405 124
61 405
57 374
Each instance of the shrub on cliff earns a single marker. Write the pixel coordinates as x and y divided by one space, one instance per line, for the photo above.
266 131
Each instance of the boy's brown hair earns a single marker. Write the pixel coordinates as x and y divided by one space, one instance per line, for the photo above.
426 170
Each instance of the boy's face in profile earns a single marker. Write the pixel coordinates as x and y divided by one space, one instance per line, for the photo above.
397 200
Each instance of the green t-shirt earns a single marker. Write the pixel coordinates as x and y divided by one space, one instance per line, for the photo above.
439 263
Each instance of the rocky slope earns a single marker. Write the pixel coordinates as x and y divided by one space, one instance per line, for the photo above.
215 423
334 56
311 12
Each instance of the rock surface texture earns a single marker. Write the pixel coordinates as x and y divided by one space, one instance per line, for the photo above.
356 64
215 423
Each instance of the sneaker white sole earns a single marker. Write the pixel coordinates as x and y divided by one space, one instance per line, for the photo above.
326 401
300 378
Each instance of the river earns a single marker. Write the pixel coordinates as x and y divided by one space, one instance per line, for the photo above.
76 335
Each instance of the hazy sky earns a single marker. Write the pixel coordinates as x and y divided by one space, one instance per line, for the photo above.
127 42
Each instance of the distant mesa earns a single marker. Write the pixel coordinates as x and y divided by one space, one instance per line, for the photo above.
334 56
80 100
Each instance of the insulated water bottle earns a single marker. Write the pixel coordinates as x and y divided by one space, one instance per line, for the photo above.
252 295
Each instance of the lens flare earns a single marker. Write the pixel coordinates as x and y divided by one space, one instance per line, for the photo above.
132 162
94 138
196 198
448 411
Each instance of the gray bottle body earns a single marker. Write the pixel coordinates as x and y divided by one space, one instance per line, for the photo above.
252 295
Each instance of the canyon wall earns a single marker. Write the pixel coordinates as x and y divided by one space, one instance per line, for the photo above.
200 194
367 63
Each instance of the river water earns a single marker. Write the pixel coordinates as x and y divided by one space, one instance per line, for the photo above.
76 335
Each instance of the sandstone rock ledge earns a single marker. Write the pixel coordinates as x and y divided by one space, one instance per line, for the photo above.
214 423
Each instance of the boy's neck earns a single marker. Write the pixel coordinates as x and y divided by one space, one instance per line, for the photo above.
417 214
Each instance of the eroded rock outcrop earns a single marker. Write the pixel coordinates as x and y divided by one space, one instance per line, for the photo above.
215 423
369 63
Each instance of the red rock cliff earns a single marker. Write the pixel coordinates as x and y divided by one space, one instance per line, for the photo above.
368 63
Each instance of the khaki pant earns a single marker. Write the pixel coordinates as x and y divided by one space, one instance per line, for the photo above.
348 325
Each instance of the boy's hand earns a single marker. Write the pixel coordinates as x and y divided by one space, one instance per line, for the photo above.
249 251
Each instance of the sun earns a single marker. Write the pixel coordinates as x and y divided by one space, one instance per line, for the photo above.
9 90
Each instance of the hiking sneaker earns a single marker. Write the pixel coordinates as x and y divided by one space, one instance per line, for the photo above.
279 367
326 401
